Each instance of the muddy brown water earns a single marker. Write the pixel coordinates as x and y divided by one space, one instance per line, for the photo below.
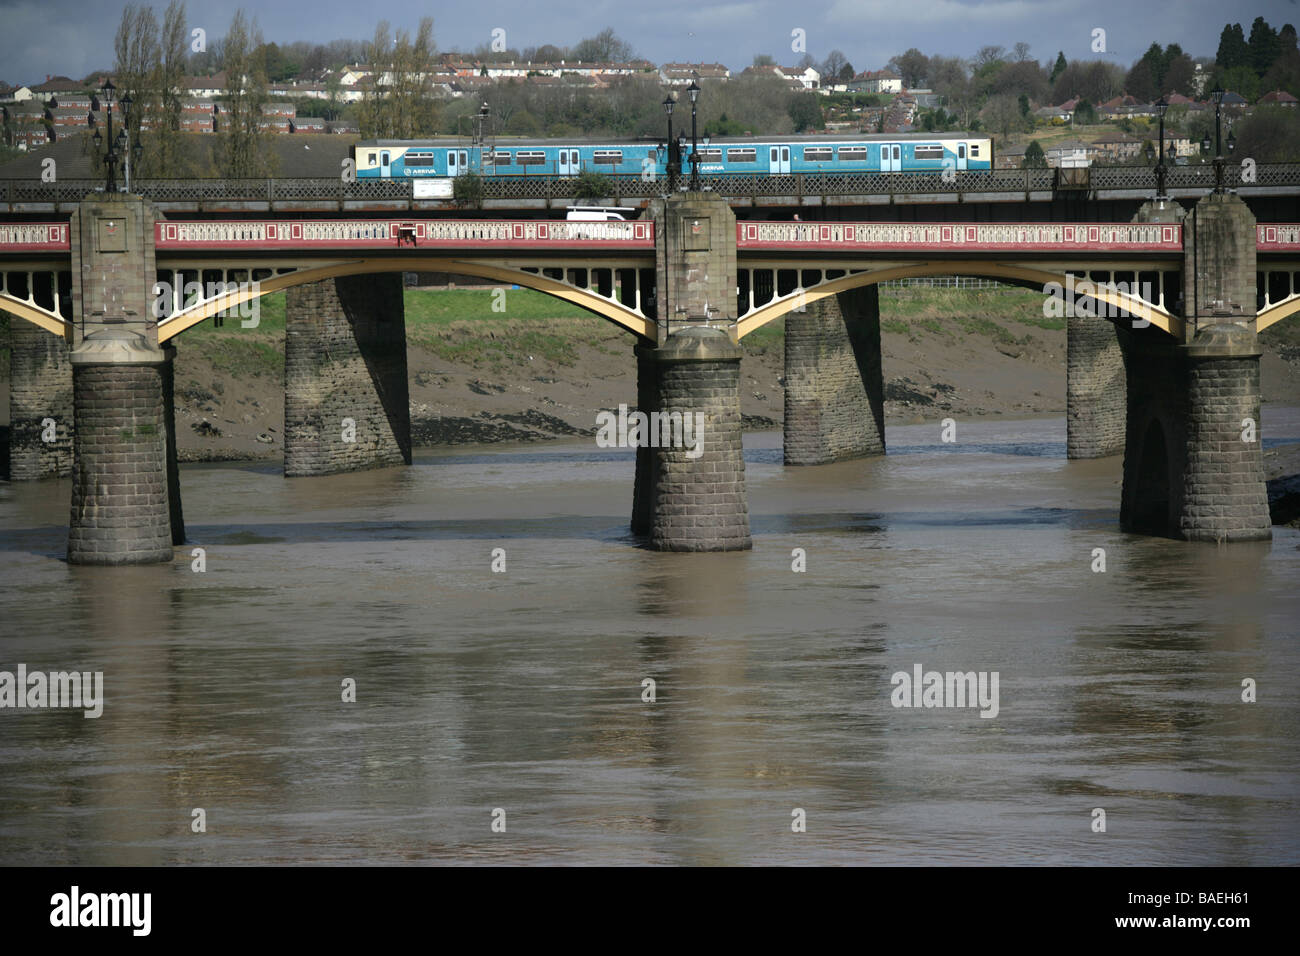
522 690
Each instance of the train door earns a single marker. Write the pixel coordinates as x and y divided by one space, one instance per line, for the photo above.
891 158
457 162
385 170
569 162
778 162
961 155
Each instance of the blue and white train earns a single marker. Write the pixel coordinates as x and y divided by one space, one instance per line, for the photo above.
510 158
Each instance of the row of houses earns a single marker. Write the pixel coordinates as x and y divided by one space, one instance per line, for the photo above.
1125 106
31 124
1111 148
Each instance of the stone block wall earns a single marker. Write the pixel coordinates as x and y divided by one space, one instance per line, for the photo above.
40 387
1224 494
834 390
695 254
1219 281
699 504
345 358
1096 394
120 508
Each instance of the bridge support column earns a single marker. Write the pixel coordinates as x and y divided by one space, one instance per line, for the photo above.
121 512
40 403
1096 393
346 402
1225 497
1193 466
122 505
834 389
1095 390
697 484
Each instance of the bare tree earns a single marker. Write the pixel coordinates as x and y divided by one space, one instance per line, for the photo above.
1020 52
163 145
243 150
398 98
604 47
1002 114
835 62
136 66
913 66
988 55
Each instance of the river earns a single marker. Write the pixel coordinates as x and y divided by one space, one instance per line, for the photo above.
516 696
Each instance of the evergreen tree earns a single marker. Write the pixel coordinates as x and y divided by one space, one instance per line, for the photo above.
1233 50
1263 46
1059 68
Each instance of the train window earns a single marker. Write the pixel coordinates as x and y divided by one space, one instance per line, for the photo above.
817 154
742 156
853 154
710 155
929 152
608 157
419 158
496 159
374 158
530 157
974 149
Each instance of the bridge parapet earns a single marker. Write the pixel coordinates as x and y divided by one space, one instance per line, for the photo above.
458 235
960 237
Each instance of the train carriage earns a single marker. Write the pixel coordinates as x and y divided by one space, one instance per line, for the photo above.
510 157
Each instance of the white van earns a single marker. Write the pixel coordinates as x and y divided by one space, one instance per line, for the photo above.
599 213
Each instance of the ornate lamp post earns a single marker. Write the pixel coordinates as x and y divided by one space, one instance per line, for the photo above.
1162 107
694 91
1217 93
669 103
110 156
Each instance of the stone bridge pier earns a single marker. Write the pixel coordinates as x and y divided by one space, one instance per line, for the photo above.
346 397
1193 466
690 484
834 385
125 494
40 404
1096 393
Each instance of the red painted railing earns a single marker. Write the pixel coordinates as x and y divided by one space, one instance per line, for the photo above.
53 238
1277 237
35 237
432 235
821 237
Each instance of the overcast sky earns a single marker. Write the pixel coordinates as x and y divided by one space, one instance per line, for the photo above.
73 37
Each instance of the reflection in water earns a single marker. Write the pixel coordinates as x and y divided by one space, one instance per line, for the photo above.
522 690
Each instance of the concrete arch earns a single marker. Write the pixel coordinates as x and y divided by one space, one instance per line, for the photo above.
596 304
1009 272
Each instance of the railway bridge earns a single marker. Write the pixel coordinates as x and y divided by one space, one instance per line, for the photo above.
1169 376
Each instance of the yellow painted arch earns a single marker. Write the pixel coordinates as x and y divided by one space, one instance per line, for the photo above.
994 270
618 314
39 317
1276 314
